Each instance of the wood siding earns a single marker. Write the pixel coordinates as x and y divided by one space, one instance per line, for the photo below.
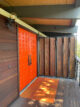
8 64
72 58
66 57
58 57
35 2
47 56
52 57
41 21
42 55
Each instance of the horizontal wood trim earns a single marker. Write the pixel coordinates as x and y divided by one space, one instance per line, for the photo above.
8 72
7 41
8 46
7 54
8 65
35 2
6 79
65 22
8 59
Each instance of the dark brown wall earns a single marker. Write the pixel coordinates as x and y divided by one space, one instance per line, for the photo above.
41 50
52 57
8 64
46 56
58 57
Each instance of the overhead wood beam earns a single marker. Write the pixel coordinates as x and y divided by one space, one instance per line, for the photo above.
36 2
44 21
57 29
57 12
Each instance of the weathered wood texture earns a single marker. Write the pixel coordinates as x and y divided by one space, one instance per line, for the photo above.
52 57
66 57
42 55
8 64
47 61
72 57
59 57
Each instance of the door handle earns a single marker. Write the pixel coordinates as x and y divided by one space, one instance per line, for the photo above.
29 60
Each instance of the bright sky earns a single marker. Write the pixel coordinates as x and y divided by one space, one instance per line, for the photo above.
78 32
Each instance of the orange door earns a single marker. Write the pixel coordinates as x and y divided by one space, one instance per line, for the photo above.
33 55
27 57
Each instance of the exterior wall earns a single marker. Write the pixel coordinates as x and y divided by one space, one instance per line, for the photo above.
8 63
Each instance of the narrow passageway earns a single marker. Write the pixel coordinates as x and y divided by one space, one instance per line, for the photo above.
39 64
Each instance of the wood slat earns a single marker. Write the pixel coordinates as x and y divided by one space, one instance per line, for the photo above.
35 2
47 58
65 22
66 57
72 57
8 66
52 57
59 57
42 56
7 54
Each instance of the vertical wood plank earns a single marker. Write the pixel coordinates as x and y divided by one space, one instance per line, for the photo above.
59 57
47 62
72 57
52 57
65 56
42 56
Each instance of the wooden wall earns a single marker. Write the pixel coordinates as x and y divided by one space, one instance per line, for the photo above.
8 64
57 57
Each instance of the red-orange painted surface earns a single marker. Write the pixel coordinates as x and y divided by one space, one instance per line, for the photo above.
27 48
42 89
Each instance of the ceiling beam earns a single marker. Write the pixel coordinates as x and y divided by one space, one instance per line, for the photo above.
43 21
36 2
58 29
57 12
